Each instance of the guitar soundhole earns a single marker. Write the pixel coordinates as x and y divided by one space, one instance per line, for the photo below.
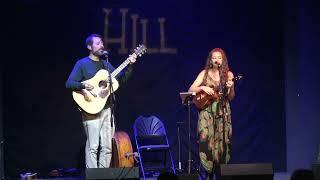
103 84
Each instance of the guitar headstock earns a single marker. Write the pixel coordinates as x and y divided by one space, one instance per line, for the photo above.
141 49
238 77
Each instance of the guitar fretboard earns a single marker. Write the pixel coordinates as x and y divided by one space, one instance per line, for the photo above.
120 68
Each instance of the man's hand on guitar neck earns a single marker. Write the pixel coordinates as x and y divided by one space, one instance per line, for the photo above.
132 58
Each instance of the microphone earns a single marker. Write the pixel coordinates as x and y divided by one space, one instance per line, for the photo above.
218 64
209 66
104 53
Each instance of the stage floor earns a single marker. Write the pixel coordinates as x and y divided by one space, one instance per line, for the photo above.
277 176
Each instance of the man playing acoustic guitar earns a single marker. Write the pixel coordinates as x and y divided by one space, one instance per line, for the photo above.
98 124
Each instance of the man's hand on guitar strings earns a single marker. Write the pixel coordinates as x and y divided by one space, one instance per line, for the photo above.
88 87
85 96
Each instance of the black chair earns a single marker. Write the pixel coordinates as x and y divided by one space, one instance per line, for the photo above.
151 139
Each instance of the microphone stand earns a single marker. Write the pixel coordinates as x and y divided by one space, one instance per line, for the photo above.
112 107
112 96
189 99
222 111
186 100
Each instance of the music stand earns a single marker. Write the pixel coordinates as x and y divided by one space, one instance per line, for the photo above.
186 98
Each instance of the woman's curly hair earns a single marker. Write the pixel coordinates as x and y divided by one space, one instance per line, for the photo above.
224 65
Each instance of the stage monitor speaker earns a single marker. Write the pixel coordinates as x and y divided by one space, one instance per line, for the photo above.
316 171
1 159
188 177
261 171
112 173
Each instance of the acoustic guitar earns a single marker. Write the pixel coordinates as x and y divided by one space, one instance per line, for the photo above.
202 100
94 101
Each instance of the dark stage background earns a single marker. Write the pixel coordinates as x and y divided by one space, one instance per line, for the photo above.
42 127
302 95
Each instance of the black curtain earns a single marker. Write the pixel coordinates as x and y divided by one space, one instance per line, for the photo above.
43 129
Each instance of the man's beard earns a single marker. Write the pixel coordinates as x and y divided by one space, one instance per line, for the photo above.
98 53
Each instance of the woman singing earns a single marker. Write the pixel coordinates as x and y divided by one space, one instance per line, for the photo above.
214 122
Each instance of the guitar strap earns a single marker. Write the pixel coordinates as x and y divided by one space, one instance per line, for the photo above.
104 65
204 80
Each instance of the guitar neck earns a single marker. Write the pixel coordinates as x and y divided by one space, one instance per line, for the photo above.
120 68
138 52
